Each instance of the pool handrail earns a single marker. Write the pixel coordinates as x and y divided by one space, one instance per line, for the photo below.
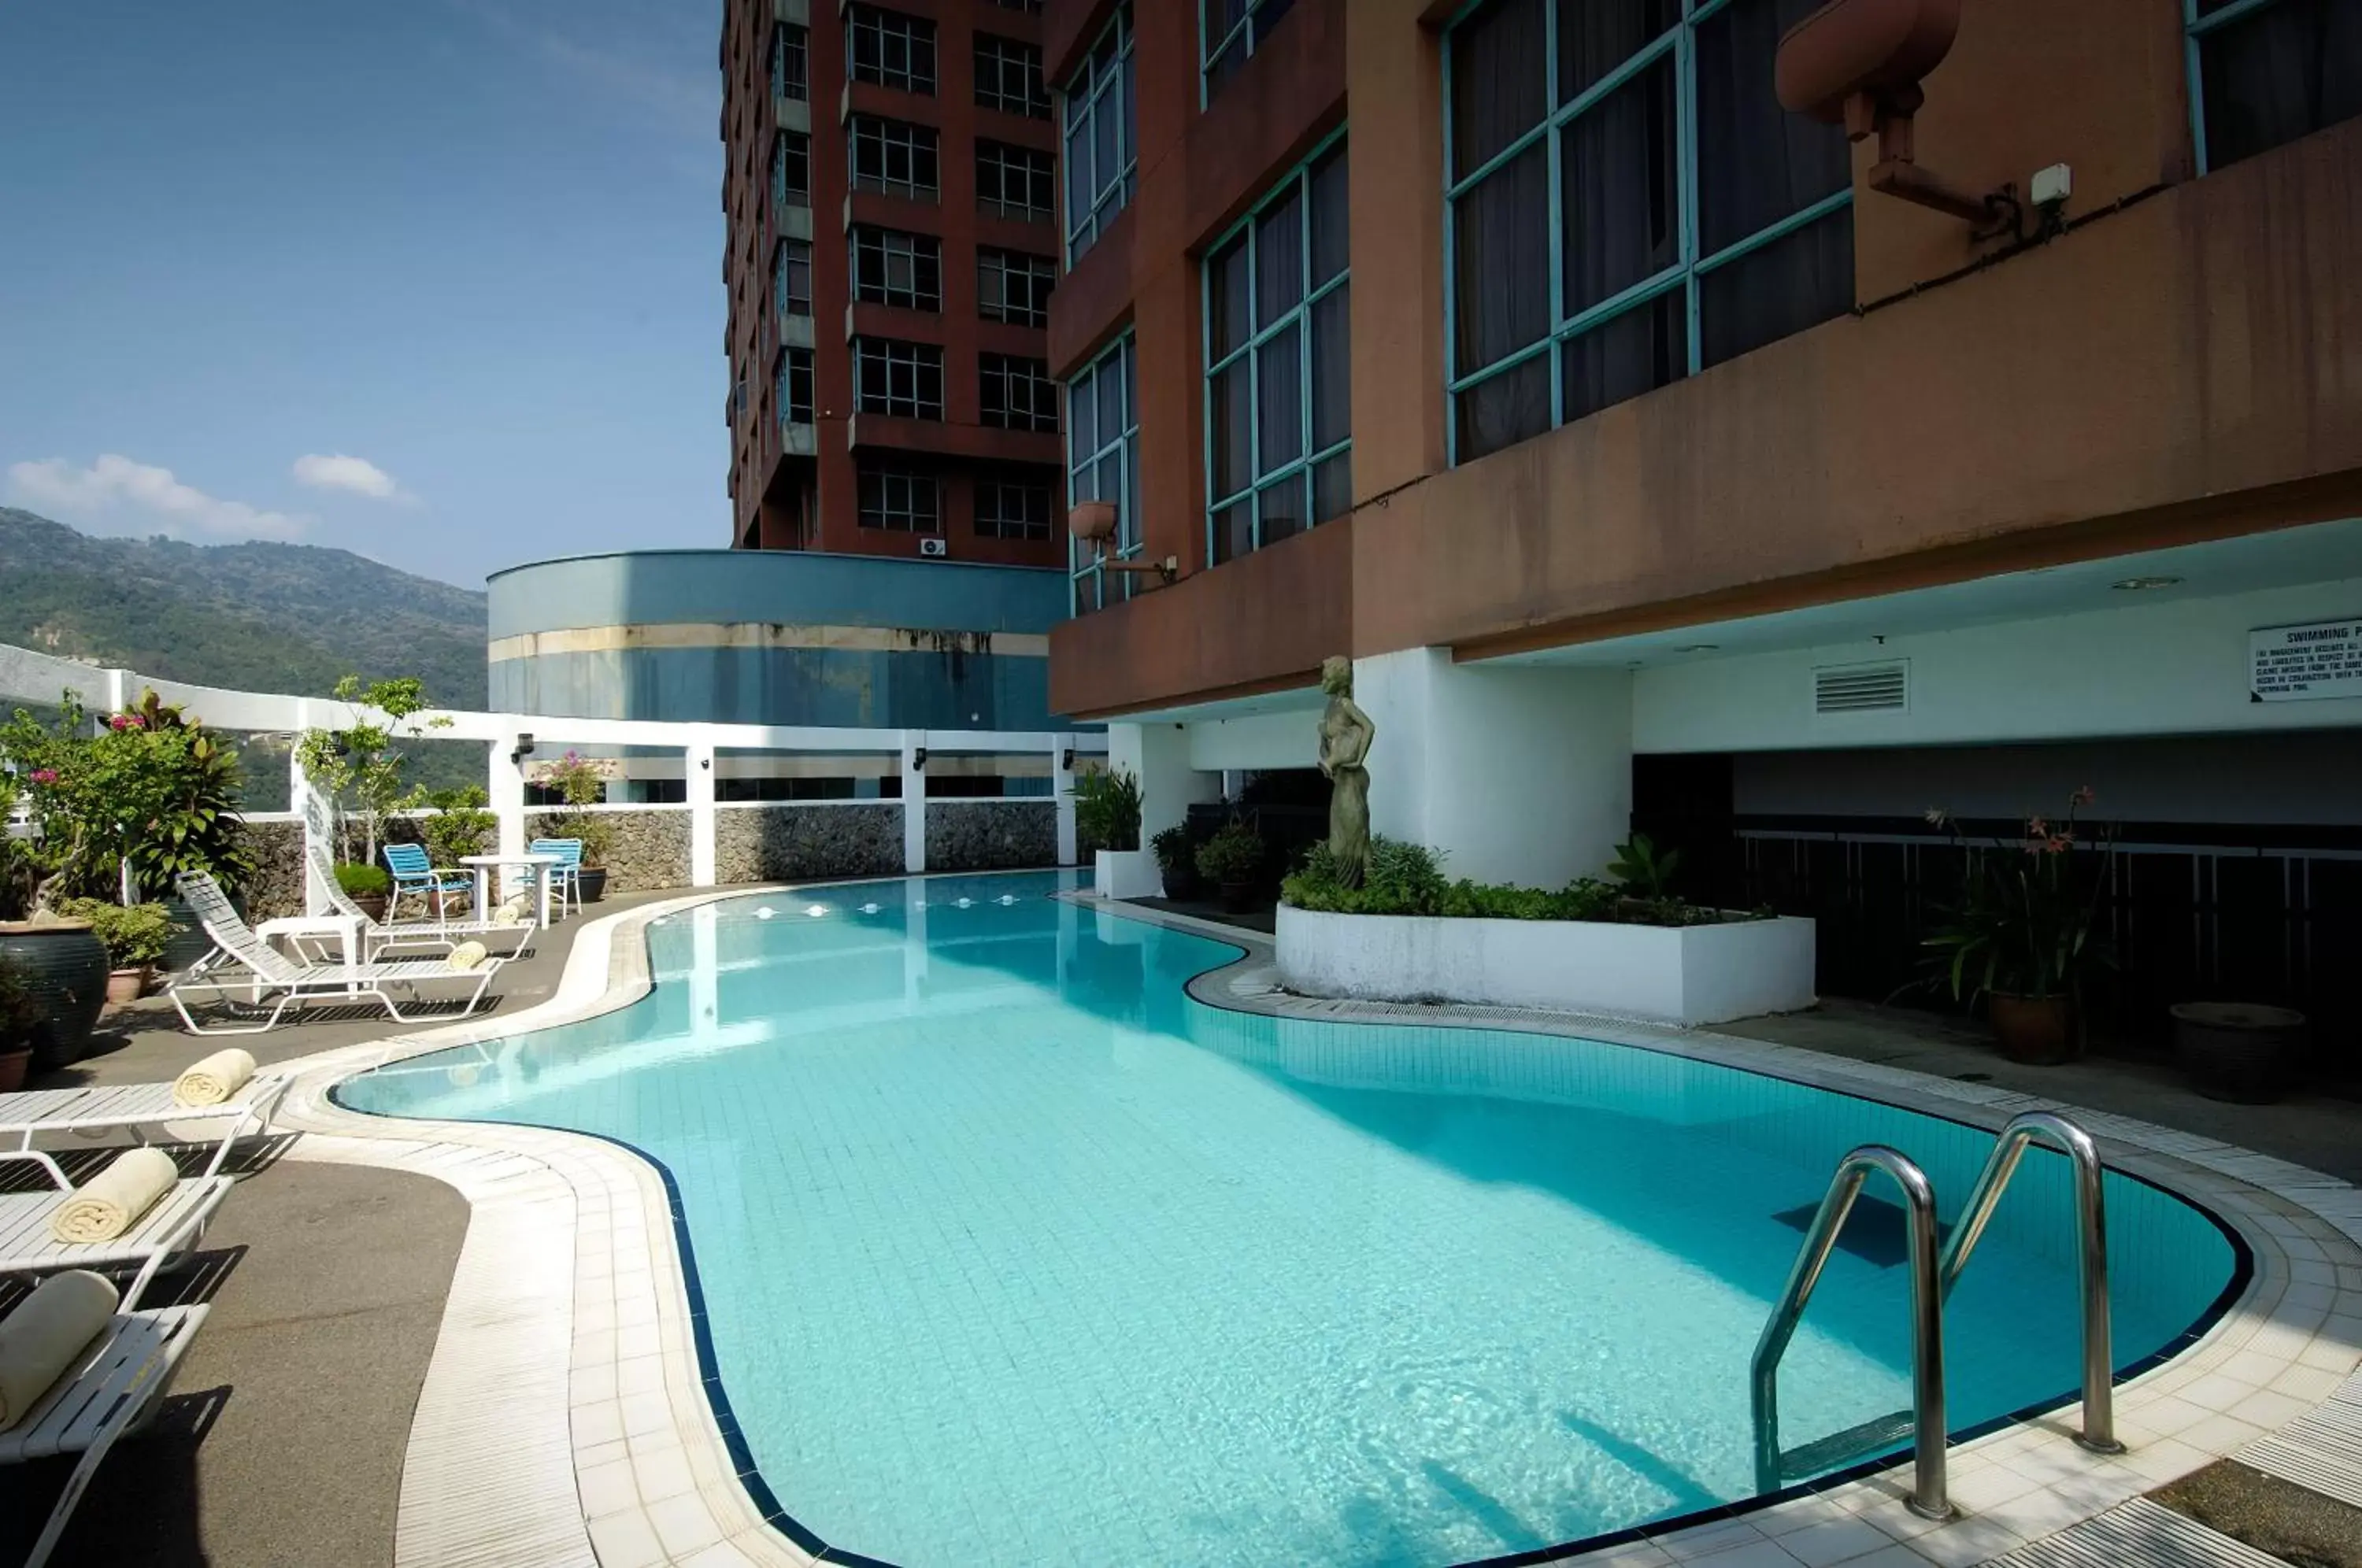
1929 1494
2099 1433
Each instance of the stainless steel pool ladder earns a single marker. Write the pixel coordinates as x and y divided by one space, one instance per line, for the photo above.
1933 1274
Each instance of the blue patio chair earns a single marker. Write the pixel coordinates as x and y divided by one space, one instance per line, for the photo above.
566 876
415 875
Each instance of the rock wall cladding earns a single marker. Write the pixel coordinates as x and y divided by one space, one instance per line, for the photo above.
991 835
646 850
275 890
801 844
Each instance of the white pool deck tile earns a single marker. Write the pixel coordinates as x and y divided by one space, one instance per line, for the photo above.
564 1419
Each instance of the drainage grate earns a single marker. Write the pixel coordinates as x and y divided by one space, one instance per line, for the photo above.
2137 1532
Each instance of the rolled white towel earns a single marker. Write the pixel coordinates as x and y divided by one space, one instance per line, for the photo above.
213 1080
509 913
45 1334
113 1201
468 956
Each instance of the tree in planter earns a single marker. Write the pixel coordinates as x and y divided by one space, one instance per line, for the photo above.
362 760
1106 809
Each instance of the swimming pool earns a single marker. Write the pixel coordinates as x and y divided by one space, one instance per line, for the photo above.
1011 1253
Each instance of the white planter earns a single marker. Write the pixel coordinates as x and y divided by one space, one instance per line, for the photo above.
1128 874
1698 973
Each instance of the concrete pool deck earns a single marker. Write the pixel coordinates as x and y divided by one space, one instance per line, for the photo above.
561 1413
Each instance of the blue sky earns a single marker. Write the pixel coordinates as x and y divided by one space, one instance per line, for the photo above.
437 280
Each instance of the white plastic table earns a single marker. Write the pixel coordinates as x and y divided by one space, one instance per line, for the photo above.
346 928
482 865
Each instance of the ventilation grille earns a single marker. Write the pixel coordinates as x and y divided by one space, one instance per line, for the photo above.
1862 687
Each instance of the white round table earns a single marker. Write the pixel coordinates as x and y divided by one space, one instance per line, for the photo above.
538 864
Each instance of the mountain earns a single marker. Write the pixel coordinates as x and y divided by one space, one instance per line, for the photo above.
265 617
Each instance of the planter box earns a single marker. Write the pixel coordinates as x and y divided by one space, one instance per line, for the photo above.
1128 874
1690 975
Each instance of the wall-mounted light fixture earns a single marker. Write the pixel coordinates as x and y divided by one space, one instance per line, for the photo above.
919 760
524 749
1066 763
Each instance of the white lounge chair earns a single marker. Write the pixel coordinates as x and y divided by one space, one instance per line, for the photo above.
111 1389
245 969
139 1109
323 895
163 1235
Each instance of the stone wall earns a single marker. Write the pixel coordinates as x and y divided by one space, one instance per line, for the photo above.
791 843
646 850
991 835
275 889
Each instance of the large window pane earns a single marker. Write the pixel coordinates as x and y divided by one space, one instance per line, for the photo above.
1502 261
1279 261
1796 281
1500 82
1757 162
1636 352
1594 37
1231 428
1332 367
1227 315
1235 530
1331 219
2279 73
1332 487
1622 201
1280 414
1281 508
1506 409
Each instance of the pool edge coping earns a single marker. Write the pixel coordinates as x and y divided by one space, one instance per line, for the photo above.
656 1479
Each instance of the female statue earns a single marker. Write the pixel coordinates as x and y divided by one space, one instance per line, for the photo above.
1346 735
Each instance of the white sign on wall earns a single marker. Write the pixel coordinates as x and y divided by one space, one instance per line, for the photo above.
2290 664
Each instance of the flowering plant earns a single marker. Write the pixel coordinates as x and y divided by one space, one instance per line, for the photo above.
580 781
2023 923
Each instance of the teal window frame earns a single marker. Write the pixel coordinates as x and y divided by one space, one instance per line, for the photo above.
1120 359
2196 30
1252 27
1104 86
792 385
783 261
1297 183
1686 274
784 196
791 44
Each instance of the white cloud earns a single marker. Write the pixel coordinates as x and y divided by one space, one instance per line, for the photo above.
115 486
337 471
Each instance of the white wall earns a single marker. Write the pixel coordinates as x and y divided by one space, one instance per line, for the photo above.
1517 775
1159 754
1257 741
2174 668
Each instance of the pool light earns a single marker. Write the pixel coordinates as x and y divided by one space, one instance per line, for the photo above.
817 911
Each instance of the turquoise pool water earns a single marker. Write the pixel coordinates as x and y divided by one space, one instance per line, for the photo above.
1011 1252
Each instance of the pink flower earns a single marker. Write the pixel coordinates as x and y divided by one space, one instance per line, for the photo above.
45 776
2036 827
2084 796
2060 844
120 722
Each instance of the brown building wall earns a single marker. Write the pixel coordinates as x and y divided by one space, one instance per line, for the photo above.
2180 364
769 479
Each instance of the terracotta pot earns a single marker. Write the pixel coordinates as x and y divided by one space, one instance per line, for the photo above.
370 905
65 964
13 1066
2038 1031
123 986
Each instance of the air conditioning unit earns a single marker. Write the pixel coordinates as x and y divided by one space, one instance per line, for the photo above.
934 547
1883 688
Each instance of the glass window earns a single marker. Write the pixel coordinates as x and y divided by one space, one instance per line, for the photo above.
900 501
790 170
1693 219
1016 393
1012 182
790 62
903 379
891 49
1008 77
1012 507
1230 30
895 157
1103 464
1280 409
2268 71
791 278
891 268
1013 287
1101 163
793 385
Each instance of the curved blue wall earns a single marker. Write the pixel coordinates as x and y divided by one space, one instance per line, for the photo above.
775 637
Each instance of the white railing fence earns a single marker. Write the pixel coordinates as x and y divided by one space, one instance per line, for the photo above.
512 741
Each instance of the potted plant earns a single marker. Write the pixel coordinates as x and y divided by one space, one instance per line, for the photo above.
1107 816
134 937
580 782
18 1013
2020 933
368 887
1231 860
58 964
1176 860
361 760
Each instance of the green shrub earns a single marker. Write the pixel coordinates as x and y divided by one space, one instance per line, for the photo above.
135 938
364 881
1232 856
1107 808
1407 880
1172 851
460 823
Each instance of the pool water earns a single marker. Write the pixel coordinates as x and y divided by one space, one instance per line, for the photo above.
1012 1253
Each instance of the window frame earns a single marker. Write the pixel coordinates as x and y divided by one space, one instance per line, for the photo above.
882 129
782 194
781 51
1296 183
998 207
912 30
1687 272
783 259
1036 269
1121 357
794 363
919 364
884 475
1033 99
2195 30
1119 83
1039 414
1024 527
855 234
1249 24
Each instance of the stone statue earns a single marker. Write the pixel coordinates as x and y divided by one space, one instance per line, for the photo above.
1346 736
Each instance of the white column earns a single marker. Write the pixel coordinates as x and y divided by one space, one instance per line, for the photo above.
698 769
506 788
1159 755
118 696
1517 775
1061 789
914 803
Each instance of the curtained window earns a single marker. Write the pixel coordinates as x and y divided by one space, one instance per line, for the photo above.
1228 32
1101 162
2272 70
1279 408
1628 204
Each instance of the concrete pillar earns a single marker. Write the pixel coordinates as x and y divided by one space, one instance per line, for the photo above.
1062 790
506 787
698 770
914 803
1159 755
1517 775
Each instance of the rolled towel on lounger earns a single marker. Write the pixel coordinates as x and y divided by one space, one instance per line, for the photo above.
509 913
213 1080
114 1200
468 956
45 1334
